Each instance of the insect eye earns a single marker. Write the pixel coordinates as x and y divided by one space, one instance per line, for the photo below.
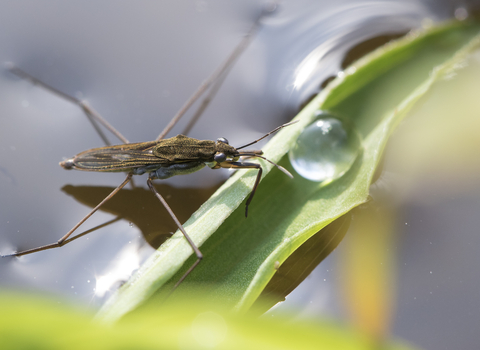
220 157
223 140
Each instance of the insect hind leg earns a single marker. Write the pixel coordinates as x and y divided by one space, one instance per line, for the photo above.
65 239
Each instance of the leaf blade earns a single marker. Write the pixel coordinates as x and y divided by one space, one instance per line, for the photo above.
242 254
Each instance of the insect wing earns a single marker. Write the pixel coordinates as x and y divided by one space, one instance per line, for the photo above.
118 158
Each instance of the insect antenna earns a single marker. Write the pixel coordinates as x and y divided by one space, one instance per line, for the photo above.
271 132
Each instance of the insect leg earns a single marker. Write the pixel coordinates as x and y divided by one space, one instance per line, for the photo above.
180 227
216 79
92 114
64 240
244 165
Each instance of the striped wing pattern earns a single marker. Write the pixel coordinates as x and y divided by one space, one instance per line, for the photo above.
119 157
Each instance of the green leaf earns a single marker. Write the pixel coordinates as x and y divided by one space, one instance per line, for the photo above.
242 255
301 263
33 323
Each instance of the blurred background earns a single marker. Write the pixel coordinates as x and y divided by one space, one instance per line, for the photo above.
136 63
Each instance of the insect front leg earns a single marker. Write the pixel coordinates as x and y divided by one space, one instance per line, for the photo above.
244 165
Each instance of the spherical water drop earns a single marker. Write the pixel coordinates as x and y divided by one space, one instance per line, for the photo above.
326 149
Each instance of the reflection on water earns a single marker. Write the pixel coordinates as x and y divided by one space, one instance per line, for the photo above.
118 271
140 207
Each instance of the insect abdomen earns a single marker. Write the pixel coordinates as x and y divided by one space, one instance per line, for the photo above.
115 158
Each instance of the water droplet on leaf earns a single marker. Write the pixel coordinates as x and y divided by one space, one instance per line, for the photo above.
325 149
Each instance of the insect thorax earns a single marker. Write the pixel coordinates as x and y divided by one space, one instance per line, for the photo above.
184 149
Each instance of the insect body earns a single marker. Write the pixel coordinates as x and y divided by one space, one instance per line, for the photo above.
161 159
179 155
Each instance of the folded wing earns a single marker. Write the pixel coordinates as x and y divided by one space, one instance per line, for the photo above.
116 158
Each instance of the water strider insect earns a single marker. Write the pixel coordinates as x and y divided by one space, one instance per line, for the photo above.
161 158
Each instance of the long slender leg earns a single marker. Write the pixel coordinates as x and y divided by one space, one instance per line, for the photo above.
214 78
218 77
64 240
92 114
244 165
105 224
205 102
180 227
208 98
